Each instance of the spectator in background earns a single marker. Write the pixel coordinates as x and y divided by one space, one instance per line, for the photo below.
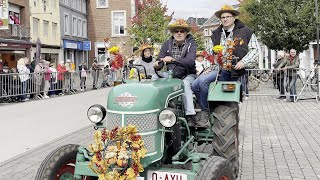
146 60
291 64
24 77
67 76
39 70
53 80
95 73
83 75
280 73
61 71
47 78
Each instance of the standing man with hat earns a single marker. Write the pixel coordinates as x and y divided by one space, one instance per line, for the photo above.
230 29
181 47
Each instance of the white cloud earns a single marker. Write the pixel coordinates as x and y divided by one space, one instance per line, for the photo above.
199 8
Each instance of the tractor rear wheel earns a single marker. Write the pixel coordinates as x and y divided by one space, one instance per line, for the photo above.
60 164
216 168
226 133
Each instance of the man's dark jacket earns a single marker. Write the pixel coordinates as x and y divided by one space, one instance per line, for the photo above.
240 31
188 54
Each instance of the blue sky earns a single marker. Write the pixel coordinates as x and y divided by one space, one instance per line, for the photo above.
199 8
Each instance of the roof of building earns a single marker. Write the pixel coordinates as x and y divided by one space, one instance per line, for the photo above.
198 21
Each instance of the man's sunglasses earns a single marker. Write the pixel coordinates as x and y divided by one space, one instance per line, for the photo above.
181 31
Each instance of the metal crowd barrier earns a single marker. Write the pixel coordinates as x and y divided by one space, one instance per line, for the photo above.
284 84
17 86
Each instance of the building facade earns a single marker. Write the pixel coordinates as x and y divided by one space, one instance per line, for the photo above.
210 25
45 25
14 32
74 31
109 19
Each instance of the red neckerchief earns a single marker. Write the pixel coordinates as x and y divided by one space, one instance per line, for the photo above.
291 59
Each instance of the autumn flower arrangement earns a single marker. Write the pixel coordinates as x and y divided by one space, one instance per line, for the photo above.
224 54
112 152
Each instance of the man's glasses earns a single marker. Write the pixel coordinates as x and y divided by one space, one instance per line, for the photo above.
180 31
226 17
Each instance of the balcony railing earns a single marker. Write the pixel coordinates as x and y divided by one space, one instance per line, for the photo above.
19 31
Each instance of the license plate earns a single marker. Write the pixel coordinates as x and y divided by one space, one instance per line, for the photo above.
159 175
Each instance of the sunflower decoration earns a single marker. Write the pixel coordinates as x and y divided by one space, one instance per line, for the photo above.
114 50
117 153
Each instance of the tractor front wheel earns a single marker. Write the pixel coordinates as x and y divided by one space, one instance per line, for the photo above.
216 168
60 164
225 133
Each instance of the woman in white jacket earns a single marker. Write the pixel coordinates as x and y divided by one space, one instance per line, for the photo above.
24 77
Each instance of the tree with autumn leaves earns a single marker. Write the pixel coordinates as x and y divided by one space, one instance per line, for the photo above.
150 22
281 24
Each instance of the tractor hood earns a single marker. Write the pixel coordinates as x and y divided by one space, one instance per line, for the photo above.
144 96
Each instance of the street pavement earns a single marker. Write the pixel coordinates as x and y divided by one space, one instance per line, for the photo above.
278 139
25 126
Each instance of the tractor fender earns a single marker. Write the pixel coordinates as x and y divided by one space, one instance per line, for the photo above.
216 92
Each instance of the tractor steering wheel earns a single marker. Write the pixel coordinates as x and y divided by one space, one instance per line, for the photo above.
177 64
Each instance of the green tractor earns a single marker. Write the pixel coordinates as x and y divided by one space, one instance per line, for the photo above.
175 150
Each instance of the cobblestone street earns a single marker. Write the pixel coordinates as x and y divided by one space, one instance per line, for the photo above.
278 140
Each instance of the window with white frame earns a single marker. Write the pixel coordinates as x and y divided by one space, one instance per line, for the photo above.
66 24
80 27
84 28
45 28
84 5
74 5
118 22
53 4
102 3
79 5
74 25
54 30
35 28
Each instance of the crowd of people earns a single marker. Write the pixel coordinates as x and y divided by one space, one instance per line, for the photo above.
42 79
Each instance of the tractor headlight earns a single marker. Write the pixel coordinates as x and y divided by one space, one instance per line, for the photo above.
167 118
96 113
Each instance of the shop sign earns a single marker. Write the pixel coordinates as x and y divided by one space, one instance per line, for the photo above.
86 45
14 45
4 20
69 44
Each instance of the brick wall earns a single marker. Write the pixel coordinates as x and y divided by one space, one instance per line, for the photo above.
24 16
99 24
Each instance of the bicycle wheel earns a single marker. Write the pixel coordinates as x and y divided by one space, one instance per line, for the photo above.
264 77
314 83
253 83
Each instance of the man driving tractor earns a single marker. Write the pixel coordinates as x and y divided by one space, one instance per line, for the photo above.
181 47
